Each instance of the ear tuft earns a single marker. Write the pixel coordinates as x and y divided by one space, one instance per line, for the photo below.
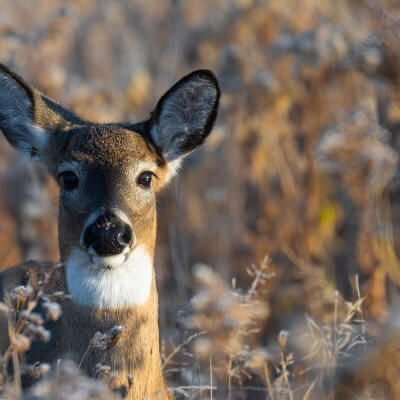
184 116
173 168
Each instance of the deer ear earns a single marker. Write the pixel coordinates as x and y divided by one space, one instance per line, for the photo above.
184 116
16 114
28 119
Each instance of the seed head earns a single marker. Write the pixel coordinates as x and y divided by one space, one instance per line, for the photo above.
21 343
283 338
52 309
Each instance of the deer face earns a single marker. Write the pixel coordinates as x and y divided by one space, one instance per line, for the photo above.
109 175
108 179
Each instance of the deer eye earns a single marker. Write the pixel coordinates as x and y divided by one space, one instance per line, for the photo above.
145 178
68 180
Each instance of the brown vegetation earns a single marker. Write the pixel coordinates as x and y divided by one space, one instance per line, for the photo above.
302 166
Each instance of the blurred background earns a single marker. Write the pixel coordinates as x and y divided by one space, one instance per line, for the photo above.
302 165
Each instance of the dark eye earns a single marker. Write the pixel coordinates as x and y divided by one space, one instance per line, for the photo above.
68 180
145 178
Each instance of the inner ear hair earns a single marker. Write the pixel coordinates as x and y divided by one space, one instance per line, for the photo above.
16 100
15 79
27 117
185 114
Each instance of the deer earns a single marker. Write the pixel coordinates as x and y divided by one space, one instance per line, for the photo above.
109 175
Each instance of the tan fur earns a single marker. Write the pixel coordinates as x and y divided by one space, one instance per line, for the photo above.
106 162
113 150
116 154
136 353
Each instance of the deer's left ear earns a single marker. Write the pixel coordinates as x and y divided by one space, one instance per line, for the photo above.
185 115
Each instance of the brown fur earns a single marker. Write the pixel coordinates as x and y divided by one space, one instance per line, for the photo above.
108 159
109 154
136 353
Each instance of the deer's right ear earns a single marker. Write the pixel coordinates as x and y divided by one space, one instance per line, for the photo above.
17 115
29 119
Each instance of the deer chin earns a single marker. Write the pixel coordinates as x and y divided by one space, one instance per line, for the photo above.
123 280
110 262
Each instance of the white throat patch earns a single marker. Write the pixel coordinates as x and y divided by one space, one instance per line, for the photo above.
125 284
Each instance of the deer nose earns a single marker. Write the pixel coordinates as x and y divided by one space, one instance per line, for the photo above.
108 235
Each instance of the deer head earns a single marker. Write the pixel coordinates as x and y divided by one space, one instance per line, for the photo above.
109 175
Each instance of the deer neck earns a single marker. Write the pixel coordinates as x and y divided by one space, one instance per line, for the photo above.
136 353
137 350
121 294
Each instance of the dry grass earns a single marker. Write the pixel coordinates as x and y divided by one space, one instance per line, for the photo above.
302 165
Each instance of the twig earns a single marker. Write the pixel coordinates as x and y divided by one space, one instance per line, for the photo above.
178 348
268 381
211 378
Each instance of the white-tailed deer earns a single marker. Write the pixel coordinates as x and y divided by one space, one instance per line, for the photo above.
109 175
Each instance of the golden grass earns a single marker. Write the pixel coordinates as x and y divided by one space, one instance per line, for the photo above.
302 166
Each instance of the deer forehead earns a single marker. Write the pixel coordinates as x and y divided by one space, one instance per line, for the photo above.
111 156
111 146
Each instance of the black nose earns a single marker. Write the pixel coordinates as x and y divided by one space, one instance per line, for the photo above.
108 235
